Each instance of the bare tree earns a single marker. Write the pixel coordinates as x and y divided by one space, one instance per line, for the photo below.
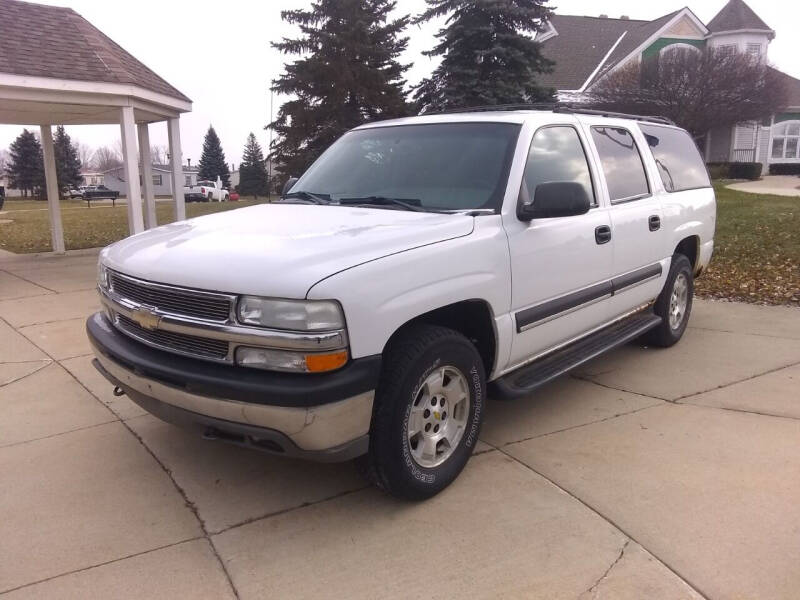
698 89
85 153
159 154
105 158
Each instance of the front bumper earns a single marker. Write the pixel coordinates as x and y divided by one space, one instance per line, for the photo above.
321 417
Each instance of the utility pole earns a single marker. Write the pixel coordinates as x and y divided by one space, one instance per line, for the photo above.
269 144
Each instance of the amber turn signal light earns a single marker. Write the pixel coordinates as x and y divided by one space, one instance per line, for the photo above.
318 363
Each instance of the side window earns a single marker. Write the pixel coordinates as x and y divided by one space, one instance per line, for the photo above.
556 154
679 163
622 163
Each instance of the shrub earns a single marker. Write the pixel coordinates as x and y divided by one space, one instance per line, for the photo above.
719 170
784 169
746 170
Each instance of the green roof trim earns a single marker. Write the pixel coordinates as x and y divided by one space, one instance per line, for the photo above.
788 116
661 43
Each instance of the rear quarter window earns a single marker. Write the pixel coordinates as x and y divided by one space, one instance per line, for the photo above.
677 157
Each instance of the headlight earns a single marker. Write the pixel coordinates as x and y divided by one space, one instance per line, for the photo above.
294 315
102 275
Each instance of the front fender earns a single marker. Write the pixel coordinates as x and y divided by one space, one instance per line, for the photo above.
380 296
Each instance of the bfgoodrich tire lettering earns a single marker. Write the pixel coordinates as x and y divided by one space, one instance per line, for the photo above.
414 357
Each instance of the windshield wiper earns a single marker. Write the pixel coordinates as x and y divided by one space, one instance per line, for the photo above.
304 195
405 203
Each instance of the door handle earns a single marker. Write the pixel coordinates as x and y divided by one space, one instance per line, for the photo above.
654 222
602 234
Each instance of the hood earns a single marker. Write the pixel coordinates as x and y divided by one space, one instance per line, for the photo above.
276 250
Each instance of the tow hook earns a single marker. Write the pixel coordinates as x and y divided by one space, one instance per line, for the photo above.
118 391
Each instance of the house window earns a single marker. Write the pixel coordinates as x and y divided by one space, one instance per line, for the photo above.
727 49
754 50
157 179
187 180
786 140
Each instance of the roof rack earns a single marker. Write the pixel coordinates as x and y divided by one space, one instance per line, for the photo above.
559 107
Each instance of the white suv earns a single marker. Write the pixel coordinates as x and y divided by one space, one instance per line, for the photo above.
414 262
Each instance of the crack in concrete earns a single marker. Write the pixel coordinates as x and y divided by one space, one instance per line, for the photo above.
693 394
767 335
571 427
60 433
101 564
284 511
725 385
189 504
45 363
6 271
607 572
607 519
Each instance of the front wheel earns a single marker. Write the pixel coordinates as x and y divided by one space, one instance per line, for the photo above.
428 412
674 304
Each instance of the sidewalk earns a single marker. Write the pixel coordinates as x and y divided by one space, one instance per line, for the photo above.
780 185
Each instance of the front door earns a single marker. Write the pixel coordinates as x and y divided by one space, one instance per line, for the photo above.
560 267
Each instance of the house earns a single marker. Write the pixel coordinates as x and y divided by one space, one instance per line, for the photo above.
585 49
114 179
92 178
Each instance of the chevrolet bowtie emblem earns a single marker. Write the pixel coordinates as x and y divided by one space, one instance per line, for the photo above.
146 318
437 415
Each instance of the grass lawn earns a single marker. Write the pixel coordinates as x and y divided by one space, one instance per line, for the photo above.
757 249
756 258
29 229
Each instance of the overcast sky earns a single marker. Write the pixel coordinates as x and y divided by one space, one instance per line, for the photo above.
218 54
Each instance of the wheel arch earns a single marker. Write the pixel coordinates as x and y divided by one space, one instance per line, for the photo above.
690 248
473 318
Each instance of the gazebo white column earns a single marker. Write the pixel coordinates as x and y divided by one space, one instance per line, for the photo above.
130 165
51 182
176 162
147 177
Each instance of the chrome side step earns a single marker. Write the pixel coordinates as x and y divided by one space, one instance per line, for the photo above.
526 379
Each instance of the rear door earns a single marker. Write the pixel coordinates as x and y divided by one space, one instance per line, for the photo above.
635 211
560 267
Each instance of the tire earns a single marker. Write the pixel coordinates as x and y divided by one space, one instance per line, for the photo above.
672 327
415 364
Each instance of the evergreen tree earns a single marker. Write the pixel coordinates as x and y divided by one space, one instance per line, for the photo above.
68 165
348 72
26 165
253 179
212 161
488 54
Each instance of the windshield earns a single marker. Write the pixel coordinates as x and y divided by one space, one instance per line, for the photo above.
444 166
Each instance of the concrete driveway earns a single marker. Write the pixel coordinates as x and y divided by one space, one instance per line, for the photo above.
648 474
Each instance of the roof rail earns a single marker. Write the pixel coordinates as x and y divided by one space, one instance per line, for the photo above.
559 107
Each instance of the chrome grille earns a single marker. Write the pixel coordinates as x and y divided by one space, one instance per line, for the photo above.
179 301
175 342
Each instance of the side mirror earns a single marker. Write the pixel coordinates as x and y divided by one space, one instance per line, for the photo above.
556 199
287 187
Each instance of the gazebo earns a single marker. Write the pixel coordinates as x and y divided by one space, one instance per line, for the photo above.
56 68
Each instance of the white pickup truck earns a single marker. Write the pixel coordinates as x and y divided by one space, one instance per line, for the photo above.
206 191
416 262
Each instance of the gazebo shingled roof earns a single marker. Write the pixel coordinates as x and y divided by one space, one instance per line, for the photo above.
58 42
56 68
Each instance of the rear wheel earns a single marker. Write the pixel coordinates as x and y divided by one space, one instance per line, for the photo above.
674 304
428 412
